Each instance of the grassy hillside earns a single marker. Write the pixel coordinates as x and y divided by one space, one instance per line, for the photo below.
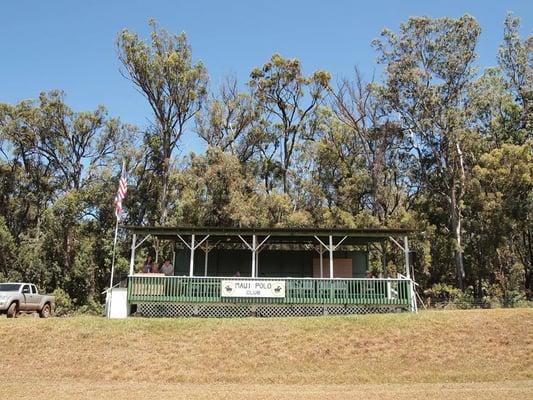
447 352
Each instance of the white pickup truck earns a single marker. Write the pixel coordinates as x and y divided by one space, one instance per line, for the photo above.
16 298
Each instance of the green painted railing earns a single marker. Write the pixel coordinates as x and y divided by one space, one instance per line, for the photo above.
297 291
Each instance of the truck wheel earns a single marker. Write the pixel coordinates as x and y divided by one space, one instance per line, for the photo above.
13 310
45 312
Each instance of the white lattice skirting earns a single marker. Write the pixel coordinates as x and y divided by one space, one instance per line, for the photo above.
247 310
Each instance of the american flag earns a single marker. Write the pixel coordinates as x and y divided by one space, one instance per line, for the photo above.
121 193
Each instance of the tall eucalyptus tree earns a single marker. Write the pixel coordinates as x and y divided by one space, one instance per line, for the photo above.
174 86
428 70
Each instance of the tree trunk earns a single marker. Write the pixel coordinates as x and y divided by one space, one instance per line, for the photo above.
285 186
285 163
457 218
456 222
528 268
167 154
69 247
377 207
164 192
460 268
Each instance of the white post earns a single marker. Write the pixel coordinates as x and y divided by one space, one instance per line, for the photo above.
330 256
254 249
113 259
132 259
206 257
408 274
406 250
191 265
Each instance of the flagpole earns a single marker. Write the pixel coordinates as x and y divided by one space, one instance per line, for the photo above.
109 293
114 249
113 259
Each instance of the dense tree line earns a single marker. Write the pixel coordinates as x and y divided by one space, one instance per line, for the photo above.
437 145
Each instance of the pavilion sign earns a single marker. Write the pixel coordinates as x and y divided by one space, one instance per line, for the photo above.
252 288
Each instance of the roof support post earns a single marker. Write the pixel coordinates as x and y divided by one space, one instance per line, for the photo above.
408 275
257 263
191 264
330 248
384 248
330 256
132 258
406 251
254 250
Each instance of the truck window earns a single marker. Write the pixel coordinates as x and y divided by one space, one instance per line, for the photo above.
26 289
33 289
9 287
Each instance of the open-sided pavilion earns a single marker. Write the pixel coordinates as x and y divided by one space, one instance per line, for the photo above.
268 272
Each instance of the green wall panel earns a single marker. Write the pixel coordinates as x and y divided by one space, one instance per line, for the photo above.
272 263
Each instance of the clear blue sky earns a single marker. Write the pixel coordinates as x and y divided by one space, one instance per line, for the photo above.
70 45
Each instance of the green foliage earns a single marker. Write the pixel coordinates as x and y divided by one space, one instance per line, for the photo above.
442 292
432 146
174 87
287 100
429 68
91 307
64 305
7 248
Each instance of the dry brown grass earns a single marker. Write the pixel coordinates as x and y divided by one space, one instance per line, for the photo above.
518 390
456 354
